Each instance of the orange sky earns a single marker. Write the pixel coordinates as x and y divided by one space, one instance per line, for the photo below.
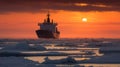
104 24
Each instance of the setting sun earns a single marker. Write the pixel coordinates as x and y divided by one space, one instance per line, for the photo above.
84 19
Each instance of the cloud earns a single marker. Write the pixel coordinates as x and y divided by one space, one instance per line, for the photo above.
69 5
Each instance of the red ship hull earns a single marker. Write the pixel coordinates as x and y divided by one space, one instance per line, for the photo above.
47 34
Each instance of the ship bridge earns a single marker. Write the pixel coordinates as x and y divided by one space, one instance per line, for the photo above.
48 25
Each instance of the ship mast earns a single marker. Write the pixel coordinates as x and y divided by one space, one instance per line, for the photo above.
48 17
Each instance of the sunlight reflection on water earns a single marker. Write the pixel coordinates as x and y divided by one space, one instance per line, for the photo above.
41 59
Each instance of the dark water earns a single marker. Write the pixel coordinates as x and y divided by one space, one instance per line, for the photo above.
109 47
